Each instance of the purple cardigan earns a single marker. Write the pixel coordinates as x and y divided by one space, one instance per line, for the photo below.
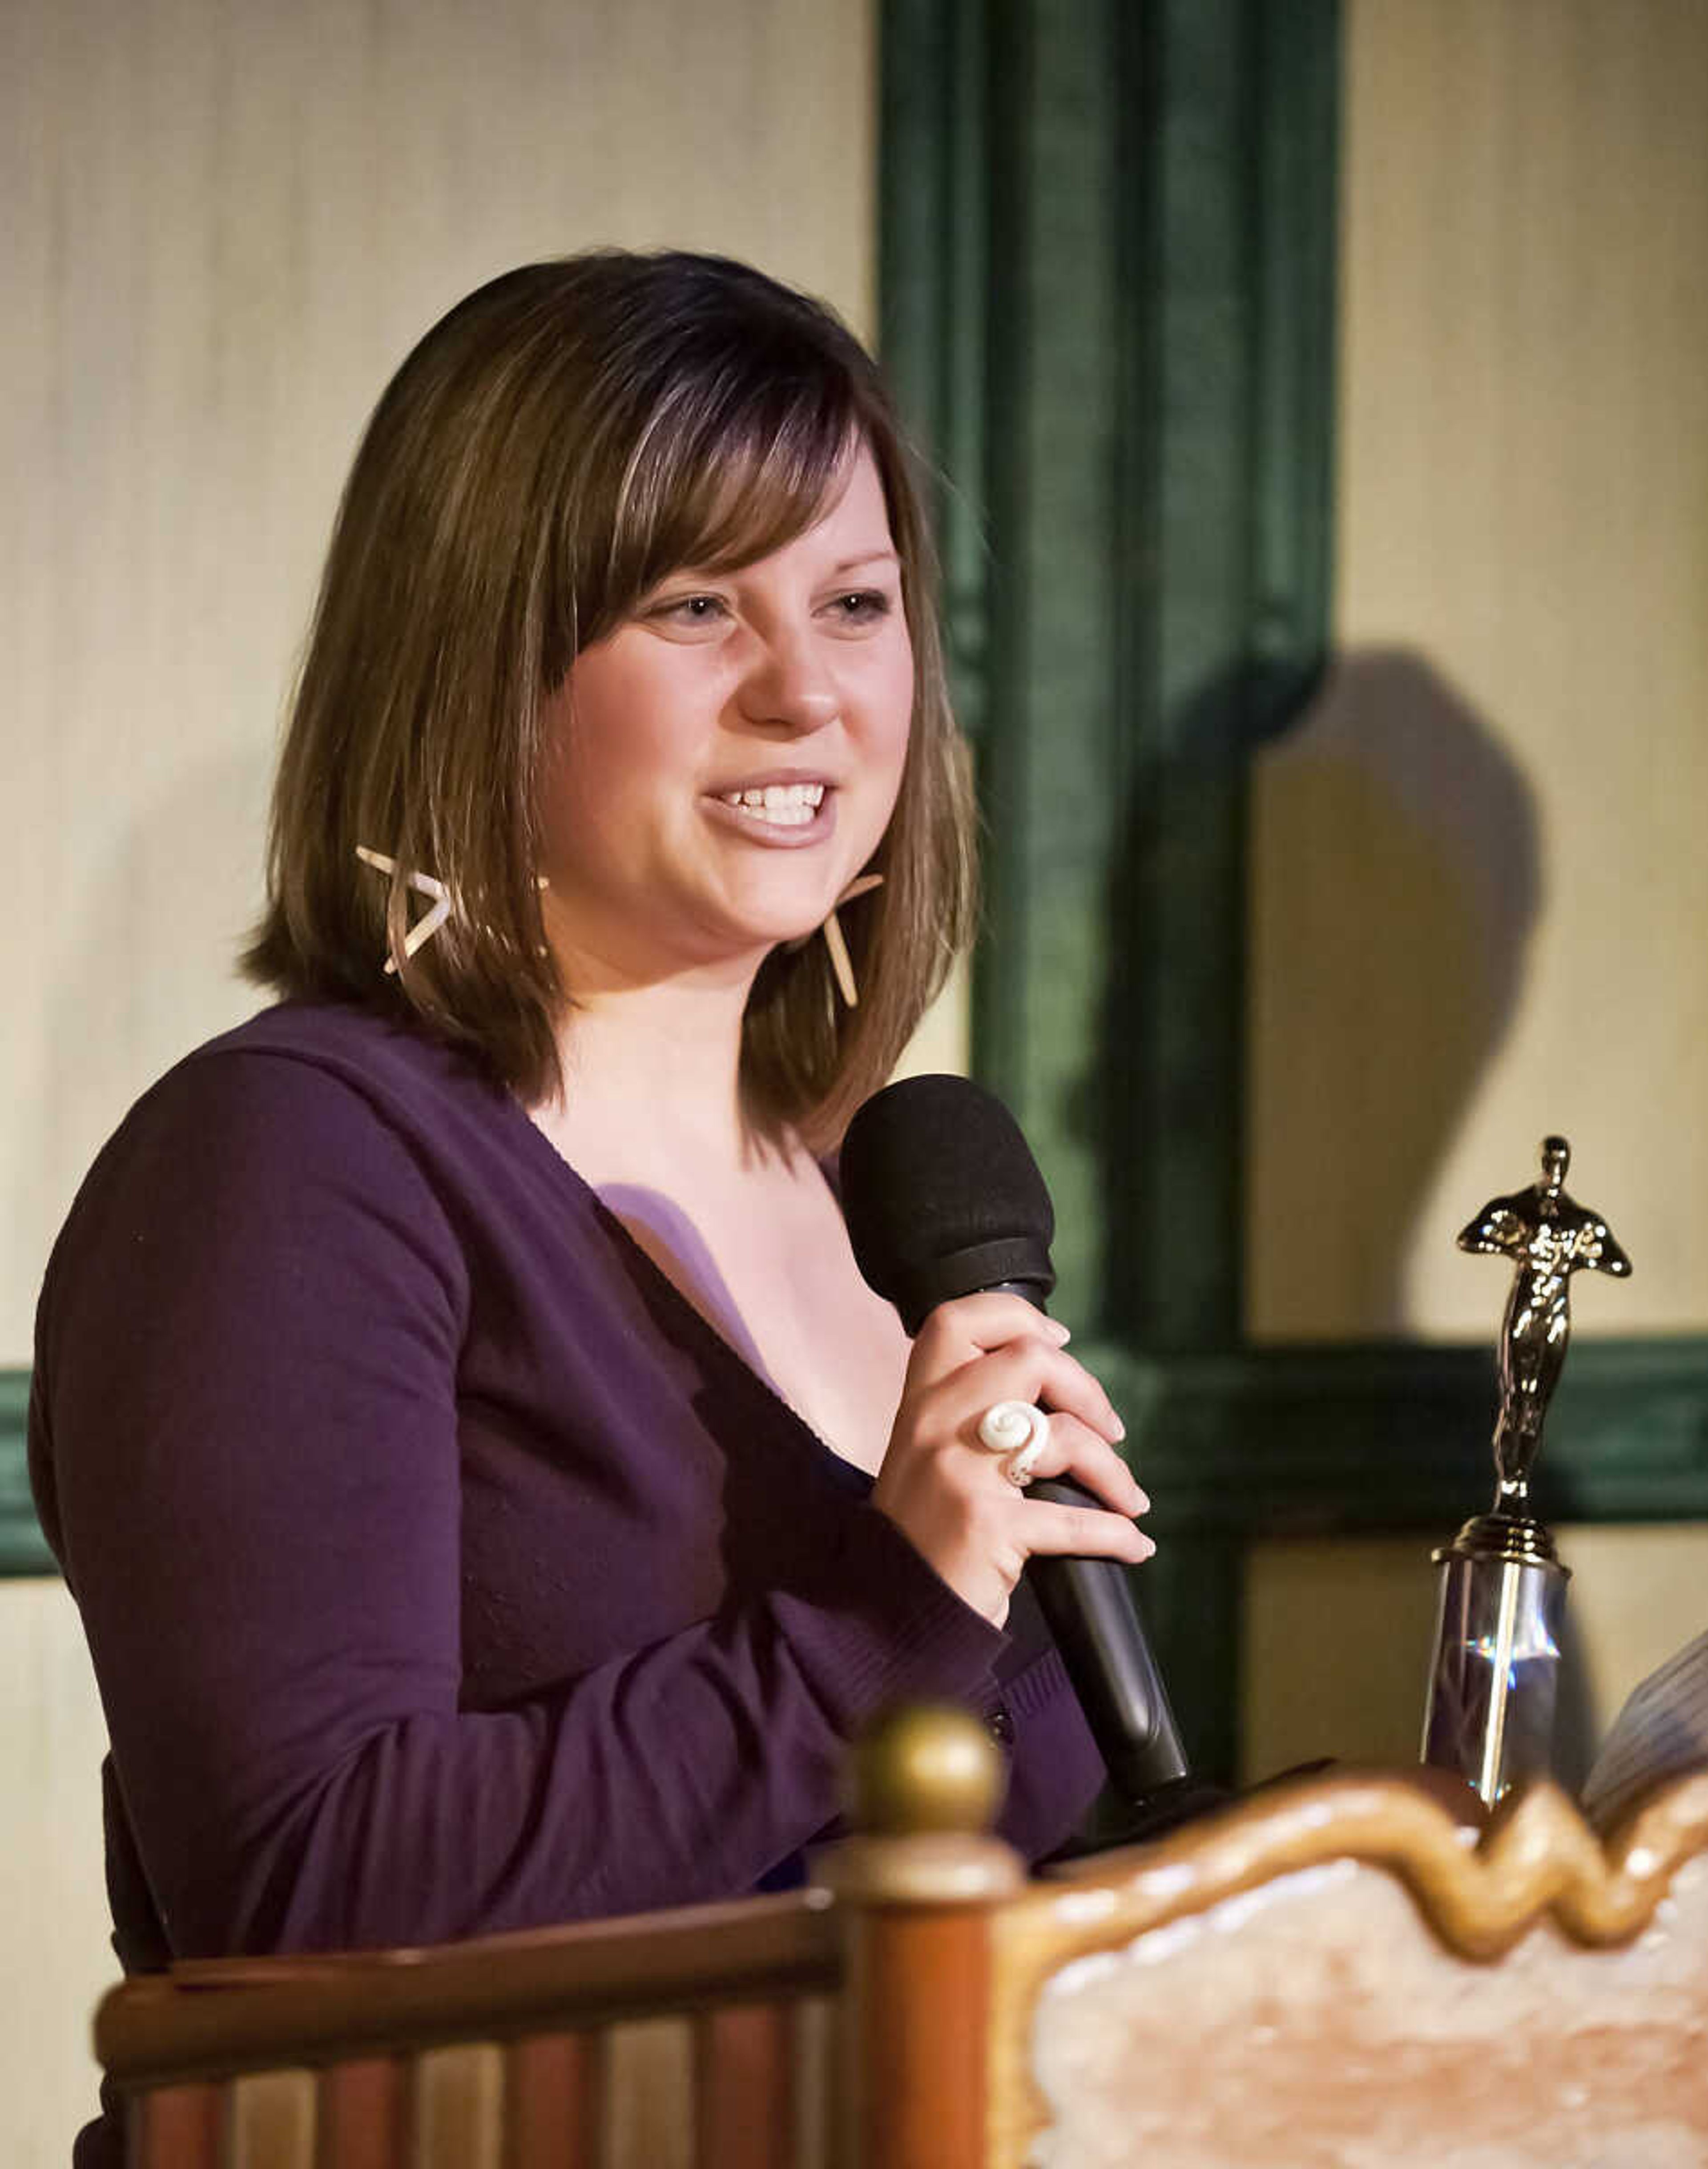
444 1571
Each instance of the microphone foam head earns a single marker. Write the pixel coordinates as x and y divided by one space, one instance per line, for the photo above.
942 1196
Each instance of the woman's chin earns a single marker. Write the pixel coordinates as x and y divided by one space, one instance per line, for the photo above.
783 923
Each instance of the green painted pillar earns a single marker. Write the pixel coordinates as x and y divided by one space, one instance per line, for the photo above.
1107 276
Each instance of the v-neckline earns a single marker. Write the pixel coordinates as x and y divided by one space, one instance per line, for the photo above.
847 1472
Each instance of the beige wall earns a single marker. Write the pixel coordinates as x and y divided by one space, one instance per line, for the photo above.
1480 893
53 1915
227 220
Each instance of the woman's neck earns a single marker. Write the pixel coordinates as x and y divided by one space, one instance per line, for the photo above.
651 1077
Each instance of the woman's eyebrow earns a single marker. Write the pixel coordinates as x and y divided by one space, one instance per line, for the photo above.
868 557
880 556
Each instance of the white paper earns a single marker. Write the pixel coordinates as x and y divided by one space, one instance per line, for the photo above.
1662 1731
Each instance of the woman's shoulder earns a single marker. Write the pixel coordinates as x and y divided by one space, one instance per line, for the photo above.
309 1132
374 1053
299 1069
330 1095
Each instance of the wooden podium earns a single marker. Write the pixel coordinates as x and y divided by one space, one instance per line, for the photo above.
1333 1975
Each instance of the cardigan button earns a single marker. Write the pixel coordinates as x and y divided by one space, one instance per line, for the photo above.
1000 1725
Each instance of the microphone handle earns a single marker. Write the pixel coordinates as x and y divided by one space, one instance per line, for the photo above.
1088 1606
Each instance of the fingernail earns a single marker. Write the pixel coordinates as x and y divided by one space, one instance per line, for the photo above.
1144 1499
1150 1544
1057 1331
1121 1429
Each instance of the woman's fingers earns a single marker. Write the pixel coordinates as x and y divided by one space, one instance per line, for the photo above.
1050 1531
972 1324
1076 1450
946 1491
1031 1369
985 1348
958 1334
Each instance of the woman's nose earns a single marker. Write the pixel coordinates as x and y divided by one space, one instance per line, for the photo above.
789 688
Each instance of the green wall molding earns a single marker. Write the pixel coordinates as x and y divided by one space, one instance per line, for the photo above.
1349 1439
1107 264
1107 299
22 1549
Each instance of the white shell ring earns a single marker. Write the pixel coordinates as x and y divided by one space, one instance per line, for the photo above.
1019 1431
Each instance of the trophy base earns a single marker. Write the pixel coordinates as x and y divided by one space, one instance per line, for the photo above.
1517 1539
1495 1667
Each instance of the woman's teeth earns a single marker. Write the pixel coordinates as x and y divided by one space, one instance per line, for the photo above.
789 805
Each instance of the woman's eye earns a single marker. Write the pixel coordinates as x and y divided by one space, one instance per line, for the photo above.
689 610
862 606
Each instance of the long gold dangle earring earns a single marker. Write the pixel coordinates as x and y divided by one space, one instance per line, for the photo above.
840 961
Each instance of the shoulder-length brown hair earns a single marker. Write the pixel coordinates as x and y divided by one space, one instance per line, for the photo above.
562 440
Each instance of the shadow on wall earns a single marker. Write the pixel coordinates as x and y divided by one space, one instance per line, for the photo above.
1395 878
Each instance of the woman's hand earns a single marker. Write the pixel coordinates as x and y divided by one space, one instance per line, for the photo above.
948 1495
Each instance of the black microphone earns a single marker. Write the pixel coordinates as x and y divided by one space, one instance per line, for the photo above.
943 1198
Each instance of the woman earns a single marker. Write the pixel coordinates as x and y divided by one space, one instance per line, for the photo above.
491 1494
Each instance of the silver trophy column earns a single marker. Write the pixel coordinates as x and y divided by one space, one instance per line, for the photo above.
1495 1670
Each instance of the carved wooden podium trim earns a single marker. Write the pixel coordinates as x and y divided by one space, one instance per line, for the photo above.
220 2015
1479 1892
937 1968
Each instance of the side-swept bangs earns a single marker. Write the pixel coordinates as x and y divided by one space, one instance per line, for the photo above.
724 473
566 438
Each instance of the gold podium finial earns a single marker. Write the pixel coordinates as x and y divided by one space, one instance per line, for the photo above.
926 1767
924 1786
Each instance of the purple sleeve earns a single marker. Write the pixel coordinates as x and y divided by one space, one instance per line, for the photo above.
251 1337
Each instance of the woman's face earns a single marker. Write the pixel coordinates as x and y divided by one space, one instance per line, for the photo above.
726 761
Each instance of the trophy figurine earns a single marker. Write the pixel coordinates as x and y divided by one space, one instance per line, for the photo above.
1496 1663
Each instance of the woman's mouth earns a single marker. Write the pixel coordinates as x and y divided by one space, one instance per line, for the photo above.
780 805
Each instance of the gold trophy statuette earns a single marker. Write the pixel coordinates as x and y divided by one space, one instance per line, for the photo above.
1495 1670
